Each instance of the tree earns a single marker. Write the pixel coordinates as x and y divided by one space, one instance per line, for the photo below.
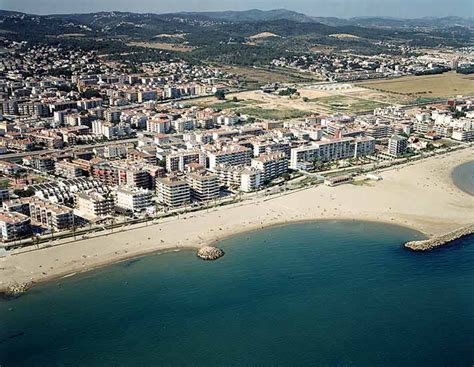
458 114
305 99
235 99
220 95
24 193
90 93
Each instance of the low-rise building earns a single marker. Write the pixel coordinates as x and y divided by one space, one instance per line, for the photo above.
68 170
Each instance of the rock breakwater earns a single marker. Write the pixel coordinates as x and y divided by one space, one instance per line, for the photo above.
14 290
441 240
209 253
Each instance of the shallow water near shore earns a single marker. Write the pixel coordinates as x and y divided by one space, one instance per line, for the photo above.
316 293
463 177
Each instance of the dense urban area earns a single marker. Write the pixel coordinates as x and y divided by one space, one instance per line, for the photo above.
94 136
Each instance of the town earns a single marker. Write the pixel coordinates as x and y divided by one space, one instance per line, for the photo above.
89 144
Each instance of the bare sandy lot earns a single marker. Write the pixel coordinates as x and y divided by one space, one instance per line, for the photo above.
442 85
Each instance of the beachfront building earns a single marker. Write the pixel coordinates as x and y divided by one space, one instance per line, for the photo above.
232 155
63 191
265 147
93 204
397 145
49 215
240 178
204 185
14 226
463 135
331 149
135 200
272 165
251 179
173 191
338 180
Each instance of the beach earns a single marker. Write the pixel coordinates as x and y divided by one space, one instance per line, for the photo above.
418 195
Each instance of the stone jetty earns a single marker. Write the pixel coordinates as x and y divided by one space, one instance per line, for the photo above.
441 240
209 253
14 290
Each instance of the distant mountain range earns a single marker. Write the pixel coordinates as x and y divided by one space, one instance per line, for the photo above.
256 15
234 37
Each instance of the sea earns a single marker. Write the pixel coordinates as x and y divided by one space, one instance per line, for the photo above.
324 293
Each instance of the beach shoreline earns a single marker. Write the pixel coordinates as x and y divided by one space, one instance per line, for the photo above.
419 195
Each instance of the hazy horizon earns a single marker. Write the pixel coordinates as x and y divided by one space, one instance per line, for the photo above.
323 8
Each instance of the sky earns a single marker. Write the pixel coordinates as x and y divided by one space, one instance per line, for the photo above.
335 8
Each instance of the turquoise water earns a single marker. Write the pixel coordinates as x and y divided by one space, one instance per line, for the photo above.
463 177
322 293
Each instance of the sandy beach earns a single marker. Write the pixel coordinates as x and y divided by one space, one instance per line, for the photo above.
420 195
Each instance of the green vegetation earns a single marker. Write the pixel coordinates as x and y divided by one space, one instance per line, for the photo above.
4 183
287 92
220 95
24 193
90 93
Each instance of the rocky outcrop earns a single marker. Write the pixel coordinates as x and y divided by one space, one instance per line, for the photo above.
438 241
15 290
209 253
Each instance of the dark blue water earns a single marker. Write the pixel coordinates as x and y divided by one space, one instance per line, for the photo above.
326 294
463 177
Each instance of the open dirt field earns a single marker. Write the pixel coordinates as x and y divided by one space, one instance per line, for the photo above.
310 100
429 86
262 76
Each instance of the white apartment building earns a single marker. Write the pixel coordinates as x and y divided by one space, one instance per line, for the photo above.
161 126
109 130
93 204
329 150
49 215
14 225
463 135
173 191
251 180
232 155
177 161
134 199
68 170
115 151
183 124
242 178
204 185
397 145
272 165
